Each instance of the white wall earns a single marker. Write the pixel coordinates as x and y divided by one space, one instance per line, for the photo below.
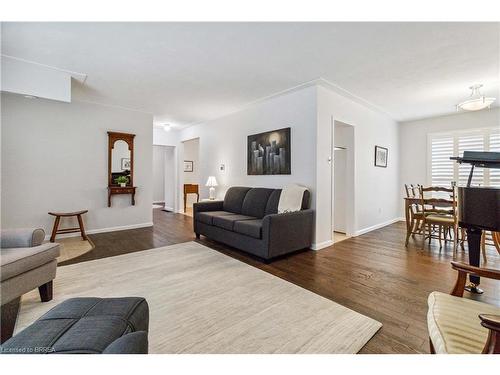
343 178
375 188
224 141
26 78
309 113
161 137
170 177
54 158
158 173
191 151
413 140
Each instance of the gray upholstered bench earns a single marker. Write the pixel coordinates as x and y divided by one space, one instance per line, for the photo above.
87 325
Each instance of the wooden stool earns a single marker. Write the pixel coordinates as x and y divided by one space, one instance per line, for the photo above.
58 216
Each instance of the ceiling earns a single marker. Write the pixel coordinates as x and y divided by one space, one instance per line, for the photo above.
186 73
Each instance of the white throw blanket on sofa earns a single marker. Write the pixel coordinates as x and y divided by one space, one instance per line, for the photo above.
291 198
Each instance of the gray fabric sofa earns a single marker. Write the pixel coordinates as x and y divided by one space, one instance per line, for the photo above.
26 264
247 219
87 326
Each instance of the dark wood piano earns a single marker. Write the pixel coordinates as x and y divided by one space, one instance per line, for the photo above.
478 208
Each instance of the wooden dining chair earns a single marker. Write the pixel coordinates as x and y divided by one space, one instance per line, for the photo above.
440 213
489 238
412 191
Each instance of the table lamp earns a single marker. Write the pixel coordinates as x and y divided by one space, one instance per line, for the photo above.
211 182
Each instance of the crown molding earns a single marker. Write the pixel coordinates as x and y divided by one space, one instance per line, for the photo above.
82 77
315 82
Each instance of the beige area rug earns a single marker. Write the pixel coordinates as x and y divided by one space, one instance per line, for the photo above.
72 247
202 301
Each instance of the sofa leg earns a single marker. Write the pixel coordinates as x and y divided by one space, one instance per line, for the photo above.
9 317
46 291
197 236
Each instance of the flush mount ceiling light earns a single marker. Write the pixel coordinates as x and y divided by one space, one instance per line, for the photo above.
476 101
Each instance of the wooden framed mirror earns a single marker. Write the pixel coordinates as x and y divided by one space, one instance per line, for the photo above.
120 165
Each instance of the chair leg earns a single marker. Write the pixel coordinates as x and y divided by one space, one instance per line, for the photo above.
46 291
54 229
9 317
409 232
440 235
483 246
496 240
455 241
424 226
82 228
431 347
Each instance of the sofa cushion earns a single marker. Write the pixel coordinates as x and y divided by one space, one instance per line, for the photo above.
454 324
272 203
208 217
15 261
233 201
255 202
227 221
252 228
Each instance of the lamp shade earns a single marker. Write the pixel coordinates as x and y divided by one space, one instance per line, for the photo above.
211 181
476 101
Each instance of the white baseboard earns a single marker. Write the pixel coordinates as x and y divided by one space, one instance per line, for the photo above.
321 245
377 226
102 230
169 209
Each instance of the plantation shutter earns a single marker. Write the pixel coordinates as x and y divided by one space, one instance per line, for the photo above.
443 171
470 142
441 165
495 146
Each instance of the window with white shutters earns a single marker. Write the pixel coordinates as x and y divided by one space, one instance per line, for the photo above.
443 171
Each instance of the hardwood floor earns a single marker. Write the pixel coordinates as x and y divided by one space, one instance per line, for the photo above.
373 274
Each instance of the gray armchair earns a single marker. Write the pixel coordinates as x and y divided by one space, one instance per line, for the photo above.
26 263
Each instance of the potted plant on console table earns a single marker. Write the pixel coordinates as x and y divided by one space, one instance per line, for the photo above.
122 181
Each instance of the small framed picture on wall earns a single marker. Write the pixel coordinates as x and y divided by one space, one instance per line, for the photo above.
381 156
188 166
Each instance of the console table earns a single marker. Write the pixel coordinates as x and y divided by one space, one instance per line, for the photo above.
114 190
191 189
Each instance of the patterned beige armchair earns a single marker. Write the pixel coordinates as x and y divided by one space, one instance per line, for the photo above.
463 326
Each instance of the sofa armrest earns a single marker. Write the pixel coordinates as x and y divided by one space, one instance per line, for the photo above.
26 237
207 206
291 230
